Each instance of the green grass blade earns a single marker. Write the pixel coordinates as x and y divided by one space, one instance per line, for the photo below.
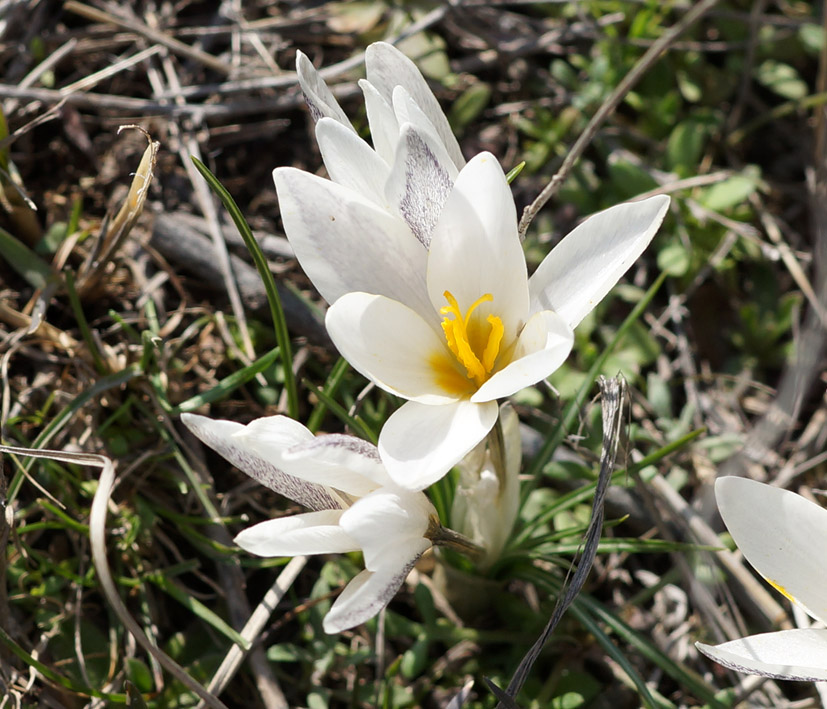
337 375
83 324
199 609
276 310
227 385
580 495
104 384
687 678
26 262
355 422
53 676
570 414
617 655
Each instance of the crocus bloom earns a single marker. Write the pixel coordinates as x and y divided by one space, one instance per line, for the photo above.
419 255
415 156
355 506
784 536
457 325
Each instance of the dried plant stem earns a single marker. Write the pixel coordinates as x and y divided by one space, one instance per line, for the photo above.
232 661
608 107
133 25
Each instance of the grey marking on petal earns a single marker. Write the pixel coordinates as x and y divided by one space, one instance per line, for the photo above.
315 112
361 614
427 186
339 440
315 497
763 673
732 665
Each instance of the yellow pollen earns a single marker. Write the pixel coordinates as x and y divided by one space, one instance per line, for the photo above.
478 361
783 591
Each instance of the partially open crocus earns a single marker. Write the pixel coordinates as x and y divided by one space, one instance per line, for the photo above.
355 506
784 536
415 157
487 497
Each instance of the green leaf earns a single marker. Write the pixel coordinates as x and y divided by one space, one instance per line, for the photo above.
781 79
276 310
469 104
690 89
811 37
629 179
26 262
674 259
729 193
686 144
514 171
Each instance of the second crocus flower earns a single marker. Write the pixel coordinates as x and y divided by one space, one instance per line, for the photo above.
355 506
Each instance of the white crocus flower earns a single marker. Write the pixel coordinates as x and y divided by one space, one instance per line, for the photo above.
487 498
459 325
356 507
784 536
415 156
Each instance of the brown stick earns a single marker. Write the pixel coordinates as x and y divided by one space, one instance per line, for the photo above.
174 45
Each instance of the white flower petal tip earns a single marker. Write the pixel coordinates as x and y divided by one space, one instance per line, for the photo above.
782 534
788 654
371 591
320 100
223 438
309 533
588 262
387 68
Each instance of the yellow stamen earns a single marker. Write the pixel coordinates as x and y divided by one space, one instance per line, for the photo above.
455 325
783 591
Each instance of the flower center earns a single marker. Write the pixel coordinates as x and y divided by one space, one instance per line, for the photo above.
475 351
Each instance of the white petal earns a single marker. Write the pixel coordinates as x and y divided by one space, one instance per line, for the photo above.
220 436
264 437
346 453
386 520
390 344
310 533
319 99
586 264
419 182
387 68
369 592
408 112
543 345
783 535
788 654
420 443
384 128
475 248
346 243
351 162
